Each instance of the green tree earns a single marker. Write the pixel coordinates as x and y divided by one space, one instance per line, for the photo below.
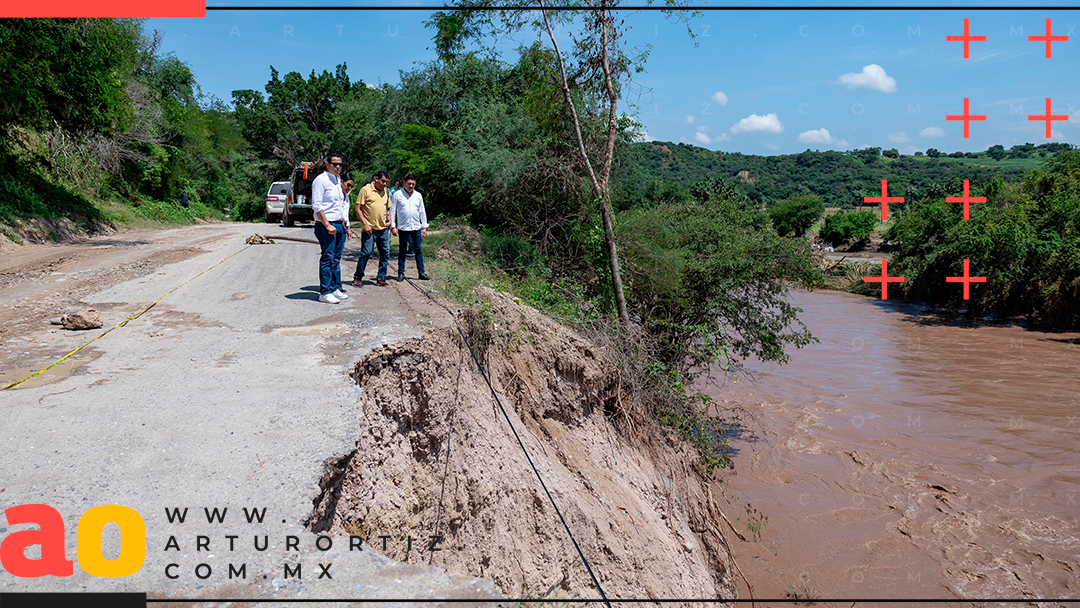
1025 240
709 279
600 66
855 226
294 121
794 216
933 153
1022 150
66 73
996 152
422 151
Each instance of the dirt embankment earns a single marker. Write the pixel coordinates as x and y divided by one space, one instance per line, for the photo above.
43 230
629 491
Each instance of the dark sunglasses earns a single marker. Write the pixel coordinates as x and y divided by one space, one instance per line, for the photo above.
336 164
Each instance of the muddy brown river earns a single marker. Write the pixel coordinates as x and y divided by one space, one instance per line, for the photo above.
909 456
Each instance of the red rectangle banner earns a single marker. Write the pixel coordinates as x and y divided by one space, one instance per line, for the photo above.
105 8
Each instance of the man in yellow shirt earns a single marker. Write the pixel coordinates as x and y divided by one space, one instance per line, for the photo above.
373 209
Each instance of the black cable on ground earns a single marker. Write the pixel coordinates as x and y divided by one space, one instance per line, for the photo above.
446 464
520 442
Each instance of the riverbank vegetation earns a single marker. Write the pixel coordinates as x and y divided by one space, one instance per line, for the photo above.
1025 239
848 226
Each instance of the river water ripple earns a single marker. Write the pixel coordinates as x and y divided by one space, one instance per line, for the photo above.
905 456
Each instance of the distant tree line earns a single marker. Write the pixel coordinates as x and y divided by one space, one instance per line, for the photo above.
653 172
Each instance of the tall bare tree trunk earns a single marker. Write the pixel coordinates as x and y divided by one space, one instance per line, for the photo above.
599 183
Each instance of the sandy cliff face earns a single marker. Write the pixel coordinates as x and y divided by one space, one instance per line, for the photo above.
628 491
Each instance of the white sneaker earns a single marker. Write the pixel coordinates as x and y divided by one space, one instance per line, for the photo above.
341 295
329 298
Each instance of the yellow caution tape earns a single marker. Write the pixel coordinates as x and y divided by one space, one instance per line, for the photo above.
122 323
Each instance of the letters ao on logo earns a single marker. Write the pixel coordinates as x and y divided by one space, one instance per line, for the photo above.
50 537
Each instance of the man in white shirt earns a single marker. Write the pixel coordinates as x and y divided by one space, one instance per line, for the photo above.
331 228
408 222
397 186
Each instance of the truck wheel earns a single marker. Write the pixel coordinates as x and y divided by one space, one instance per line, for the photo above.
269 218
287 218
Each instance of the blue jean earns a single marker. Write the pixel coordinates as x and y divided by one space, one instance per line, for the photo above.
330 260
367 246
412 239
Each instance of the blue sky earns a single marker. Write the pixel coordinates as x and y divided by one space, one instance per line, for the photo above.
758 82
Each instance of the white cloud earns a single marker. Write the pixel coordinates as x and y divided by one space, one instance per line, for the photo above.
899 137
720 98
643 136
689 119
932 132
821 136
816 136
703 137
1055 134
703 129
770 145
769 123
910 150
872 77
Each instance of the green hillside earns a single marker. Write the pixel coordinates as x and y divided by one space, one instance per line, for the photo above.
652 171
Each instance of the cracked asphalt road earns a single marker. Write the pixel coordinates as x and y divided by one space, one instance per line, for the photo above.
229 394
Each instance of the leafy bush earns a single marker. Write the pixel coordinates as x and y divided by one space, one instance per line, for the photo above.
708 279
849 226
1025 240
170 212
794 216
24 193
510 254
250 209
458 270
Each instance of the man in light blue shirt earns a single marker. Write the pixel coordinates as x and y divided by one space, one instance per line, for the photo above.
331 228
408 222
